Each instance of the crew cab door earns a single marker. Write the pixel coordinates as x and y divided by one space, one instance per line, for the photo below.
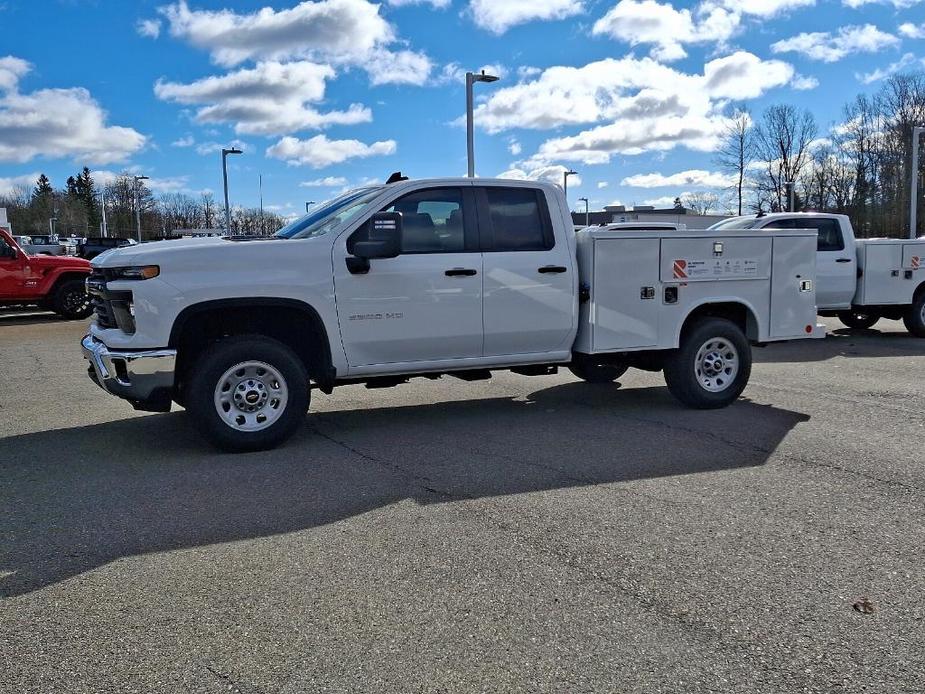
836 260
11 269
530 281
424 305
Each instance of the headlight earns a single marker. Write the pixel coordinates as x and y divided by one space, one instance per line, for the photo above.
143 272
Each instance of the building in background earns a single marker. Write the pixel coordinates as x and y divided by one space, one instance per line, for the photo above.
681 216
4 222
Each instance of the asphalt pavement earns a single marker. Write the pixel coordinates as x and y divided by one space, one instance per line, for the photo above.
514 535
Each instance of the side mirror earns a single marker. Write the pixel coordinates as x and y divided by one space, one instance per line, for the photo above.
384 240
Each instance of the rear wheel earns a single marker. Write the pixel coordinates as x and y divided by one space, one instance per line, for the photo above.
712 366
915 316
248 393
859 320
592 372
71 300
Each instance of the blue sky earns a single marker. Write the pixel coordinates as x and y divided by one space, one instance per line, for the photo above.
332 93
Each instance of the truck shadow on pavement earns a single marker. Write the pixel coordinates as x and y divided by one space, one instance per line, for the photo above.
845 342
77 499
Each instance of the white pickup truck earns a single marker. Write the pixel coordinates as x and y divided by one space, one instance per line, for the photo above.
433 277
859 280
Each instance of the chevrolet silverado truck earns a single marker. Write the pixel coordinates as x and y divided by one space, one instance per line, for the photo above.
859 280
429 278
54 283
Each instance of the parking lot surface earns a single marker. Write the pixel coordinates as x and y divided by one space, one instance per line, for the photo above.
514 535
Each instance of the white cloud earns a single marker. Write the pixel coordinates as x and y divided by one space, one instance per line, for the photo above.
187 141
668 30
150 28
898 4
912 31
320 151
326 182
497 16
552 173
641 105
602 184
884 72
269 99
691 178
10 185
829 48
802 83
339 32
665 201
173 184
439 4
57 123
514 147
206 148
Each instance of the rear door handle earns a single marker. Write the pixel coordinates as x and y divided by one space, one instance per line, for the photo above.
460 272
843 260
552 269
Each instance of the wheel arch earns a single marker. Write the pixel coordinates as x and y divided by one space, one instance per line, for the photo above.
295 323
737 311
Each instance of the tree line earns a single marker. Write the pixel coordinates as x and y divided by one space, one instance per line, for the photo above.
77 210
860 167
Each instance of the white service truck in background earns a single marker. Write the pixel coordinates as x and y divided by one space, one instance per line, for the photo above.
428 278
858 280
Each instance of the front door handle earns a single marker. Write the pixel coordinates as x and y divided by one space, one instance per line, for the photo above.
460 272
552 269
843 260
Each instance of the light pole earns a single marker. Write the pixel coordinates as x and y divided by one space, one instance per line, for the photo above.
225 153
104 229
308 205
565 175
472 78
138 205
914 191
587 211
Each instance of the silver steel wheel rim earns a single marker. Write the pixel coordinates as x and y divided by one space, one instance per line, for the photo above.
251 396
716 365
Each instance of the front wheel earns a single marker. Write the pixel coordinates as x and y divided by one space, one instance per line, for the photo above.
71 300
858 320
248 393
712 366
914 319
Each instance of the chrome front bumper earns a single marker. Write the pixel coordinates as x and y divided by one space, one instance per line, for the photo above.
135 376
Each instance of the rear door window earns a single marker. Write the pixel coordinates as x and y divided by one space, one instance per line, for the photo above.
829 231
514 219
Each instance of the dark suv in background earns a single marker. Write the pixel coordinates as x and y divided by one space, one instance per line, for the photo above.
92 247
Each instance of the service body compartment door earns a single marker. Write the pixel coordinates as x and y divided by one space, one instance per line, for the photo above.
625 293
881 280
793 282
718 258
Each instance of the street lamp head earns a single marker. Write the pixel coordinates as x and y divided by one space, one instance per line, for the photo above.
582 199
482 77
142 178
232 150
570 173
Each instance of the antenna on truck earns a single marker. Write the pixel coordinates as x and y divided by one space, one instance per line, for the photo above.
396 177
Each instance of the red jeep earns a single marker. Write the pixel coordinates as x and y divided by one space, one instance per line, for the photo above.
55 283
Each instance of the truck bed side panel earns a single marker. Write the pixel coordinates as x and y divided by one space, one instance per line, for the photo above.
891 270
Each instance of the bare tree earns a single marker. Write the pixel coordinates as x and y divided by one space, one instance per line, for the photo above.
701 202
737 150
782 141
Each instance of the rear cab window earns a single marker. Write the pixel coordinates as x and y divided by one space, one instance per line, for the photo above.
829 231
514 219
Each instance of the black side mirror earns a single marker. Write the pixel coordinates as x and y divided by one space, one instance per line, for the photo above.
385 229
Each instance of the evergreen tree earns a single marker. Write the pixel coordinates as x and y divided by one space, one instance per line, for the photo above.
43 190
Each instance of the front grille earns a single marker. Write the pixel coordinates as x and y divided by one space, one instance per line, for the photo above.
102 306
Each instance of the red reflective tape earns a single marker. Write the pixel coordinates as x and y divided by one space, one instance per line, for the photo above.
679 269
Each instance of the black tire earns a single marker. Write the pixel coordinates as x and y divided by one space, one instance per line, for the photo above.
215 362
684 372
857 319
590 372
71 300
914 319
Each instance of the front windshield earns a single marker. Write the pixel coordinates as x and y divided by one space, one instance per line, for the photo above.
736 223
329 214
